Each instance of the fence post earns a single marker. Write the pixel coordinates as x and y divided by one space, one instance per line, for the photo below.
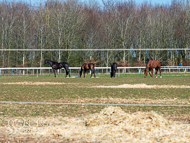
0 72
184 71
37 72
125 71
33 72
49 72
169 71
12 71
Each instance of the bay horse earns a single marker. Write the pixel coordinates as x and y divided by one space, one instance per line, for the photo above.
56 65
113 69
85 67
150 66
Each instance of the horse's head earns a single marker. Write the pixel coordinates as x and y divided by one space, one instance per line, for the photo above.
145 73
45 62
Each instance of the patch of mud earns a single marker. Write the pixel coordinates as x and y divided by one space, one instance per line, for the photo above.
112 124
35 83
143 86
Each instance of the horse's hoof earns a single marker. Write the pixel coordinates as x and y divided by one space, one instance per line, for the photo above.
156 77
160 76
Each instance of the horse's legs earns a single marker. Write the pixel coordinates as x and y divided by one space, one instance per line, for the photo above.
160 72
152 72
114 73
149 73
54 73
84 73
156 72
91 72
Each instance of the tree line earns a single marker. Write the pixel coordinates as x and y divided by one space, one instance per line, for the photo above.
71 24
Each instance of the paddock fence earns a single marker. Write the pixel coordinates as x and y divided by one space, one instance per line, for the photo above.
35 71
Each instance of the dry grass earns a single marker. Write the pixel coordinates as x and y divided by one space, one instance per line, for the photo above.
62 123
118 86
110 125
34 83
143 86
125 101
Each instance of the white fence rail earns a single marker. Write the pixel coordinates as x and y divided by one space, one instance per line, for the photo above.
72 68
156 49
183 69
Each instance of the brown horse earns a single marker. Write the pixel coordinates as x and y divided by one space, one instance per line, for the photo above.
150 66
85 67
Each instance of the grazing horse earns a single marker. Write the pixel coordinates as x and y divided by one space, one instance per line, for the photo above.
66 67
85 67
113 69
54 65
150 66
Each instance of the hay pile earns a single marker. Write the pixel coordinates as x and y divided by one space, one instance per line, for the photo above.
113 124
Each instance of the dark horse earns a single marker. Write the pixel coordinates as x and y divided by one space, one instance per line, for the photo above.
66 67
150 66
85 67
113 69
56 65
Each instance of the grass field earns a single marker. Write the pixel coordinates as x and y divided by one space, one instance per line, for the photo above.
81 90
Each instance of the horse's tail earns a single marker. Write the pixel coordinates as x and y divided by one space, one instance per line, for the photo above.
80 73
80 70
